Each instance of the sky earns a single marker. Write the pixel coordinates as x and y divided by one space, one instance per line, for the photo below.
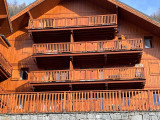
146 6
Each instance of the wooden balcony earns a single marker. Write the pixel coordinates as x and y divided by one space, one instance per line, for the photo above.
73 23
5 68
80 101
104 75
88 48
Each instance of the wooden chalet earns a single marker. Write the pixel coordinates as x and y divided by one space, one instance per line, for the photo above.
5 28
80 56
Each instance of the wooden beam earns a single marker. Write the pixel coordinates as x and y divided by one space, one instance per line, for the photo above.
30 15
86 82
105 57
3 16
3 42
82 54
78 28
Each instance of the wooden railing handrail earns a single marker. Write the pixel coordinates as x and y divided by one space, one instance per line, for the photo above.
72 17
88 46
80 101
109 19
48 92
90 69
87 41
126 73
6 65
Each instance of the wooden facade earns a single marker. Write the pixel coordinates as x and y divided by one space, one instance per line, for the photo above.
78 55
5 28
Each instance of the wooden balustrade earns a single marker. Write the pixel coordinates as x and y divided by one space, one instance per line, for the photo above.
88 46
5 65
44 23
127 73
80 101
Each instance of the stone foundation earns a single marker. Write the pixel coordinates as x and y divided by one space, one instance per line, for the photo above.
85 116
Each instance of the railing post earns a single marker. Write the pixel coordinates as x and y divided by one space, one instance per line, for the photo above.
120 104
85 47
149 103
64 104
143 73
37 103
142 42
91 101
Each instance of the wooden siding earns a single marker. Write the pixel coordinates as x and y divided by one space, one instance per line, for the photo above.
5 23
75 8
19 54
83 101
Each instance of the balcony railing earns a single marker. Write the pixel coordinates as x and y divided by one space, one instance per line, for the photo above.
83 21
80 101
5 65
128 73
88 47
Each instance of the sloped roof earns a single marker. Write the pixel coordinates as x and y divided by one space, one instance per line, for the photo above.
126 12
5 23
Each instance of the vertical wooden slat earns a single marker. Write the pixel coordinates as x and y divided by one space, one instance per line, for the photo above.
137 100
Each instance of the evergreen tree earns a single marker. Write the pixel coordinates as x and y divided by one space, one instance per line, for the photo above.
14 8
156 15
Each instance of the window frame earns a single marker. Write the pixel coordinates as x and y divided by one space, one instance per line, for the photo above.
151 41
21 73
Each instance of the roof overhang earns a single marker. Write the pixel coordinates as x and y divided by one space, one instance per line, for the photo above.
21 19
5 23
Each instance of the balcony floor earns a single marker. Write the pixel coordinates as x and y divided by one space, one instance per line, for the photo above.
72 28
88 85
88 53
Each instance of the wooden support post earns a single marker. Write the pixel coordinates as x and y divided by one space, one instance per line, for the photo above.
70 86
115 33
106 85
30 15
72 38
72 41
31 36
71 69
71 63
105 60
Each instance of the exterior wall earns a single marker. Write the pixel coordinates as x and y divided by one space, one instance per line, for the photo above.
74 8
86 116
19 55
149 56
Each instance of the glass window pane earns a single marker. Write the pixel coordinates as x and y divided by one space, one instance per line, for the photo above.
147 43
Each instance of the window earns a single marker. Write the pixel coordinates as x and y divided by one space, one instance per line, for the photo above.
148 41
24 73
